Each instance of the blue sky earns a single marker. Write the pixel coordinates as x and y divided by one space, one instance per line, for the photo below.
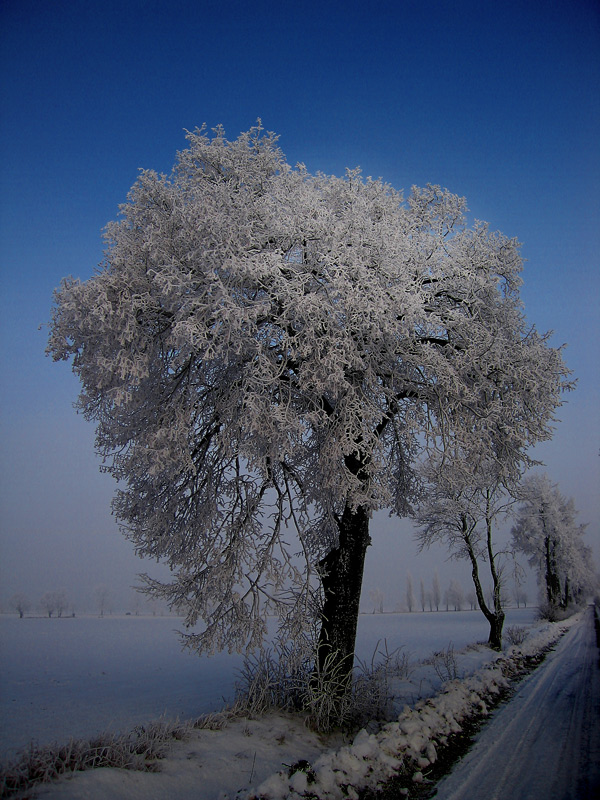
497 101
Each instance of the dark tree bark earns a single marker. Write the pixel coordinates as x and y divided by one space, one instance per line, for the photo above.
552 579
341 575
495 617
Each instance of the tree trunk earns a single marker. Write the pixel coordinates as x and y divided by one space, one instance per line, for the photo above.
341 574
567 597
495 618
552 580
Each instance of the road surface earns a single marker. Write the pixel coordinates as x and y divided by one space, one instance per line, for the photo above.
544 744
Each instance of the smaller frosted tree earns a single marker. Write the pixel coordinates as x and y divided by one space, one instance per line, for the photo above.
547 532
455 595
20 603
462 508
376 597
62 601
410 596
436 591
48 603
103 597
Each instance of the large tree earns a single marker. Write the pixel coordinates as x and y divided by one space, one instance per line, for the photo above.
265 353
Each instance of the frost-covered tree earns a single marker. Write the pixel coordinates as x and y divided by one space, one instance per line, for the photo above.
265 353
520 596
103 599
48 603
376 597
410 596
547 532
436 591
20 603
61 600
455 595
462 507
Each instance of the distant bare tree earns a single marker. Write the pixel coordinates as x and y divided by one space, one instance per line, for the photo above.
20 603
436 591
62 601
423 596
410 597
376 596
103 599
520 596
48 603
455 595
447 599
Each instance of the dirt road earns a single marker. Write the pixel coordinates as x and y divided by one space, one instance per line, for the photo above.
545 743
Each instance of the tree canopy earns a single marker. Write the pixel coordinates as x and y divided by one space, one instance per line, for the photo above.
266 352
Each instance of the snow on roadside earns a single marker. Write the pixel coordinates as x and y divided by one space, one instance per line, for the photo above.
216 764
410 743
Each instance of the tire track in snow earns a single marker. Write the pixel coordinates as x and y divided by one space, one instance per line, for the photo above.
545 743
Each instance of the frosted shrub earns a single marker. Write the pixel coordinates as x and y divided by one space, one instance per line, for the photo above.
515 635
444 663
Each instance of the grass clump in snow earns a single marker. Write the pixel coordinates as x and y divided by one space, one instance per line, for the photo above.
287 681
139 750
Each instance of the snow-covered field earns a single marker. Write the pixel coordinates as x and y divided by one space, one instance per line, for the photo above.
252 758
84 675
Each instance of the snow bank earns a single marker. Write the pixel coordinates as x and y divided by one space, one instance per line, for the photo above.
408 745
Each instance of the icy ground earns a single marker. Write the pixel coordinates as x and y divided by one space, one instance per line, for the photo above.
245 759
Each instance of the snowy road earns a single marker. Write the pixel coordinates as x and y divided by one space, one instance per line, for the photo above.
545 743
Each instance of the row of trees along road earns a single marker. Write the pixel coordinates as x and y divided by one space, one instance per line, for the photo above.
547 532
269 355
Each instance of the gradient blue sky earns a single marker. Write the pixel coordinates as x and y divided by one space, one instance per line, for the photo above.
498 101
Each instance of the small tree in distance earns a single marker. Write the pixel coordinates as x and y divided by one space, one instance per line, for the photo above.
48 603
436 591
20 603
410 597
376 596
267 352
455 595
103 598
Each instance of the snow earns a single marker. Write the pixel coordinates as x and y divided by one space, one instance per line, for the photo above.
253 758
84 675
